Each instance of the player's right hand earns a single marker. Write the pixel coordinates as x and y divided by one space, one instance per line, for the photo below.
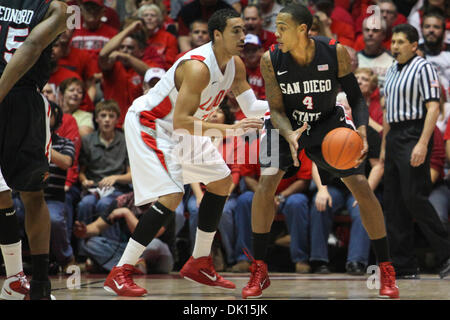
292 138
246 125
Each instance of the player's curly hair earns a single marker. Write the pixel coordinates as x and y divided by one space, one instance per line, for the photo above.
218 20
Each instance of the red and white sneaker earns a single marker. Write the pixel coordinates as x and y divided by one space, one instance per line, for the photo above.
201 270
388 288
16 287
119 281
259 279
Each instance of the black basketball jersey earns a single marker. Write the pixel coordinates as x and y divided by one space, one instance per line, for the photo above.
309 92
17 19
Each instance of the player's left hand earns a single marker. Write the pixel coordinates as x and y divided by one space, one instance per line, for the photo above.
418 154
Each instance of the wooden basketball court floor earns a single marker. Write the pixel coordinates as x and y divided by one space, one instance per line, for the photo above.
284 286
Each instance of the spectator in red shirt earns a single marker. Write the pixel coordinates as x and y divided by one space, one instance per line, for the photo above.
93 34
447 145
122 67
253 24
163 42
368 83
251 55
198 35
290 200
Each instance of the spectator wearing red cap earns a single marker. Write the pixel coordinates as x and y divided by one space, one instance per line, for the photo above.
93 34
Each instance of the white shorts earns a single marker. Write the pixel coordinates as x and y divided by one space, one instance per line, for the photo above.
162 162
3 185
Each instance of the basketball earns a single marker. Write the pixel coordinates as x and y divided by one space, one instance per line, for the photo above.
341 148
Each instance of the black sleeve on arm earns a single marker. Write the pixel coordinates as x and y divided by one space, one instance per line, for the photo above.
360 111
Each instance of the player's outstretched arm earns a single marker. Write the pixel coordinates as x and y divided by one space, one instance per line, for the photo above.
250 105
191 78
54 23
278 115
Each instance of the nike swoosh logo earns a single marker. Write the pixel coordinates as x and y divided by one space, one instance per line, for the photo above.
7 292
342 119
281 72
157 210
214 82
261 285
208 276
117 285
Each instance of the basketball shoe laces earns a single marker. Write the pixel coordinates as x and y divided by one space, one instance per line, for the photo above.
125 277
388 275
24 287
255 272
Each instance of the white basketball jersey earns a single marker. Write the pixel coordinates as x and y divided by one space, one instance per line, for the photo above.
161 109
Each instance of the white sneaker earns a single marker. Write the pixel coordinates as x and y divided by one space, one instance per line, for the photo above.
16 287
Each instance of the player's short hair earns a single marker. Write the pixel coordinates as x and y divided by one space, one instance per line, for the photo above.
410 32
107 105
373 77
68 82
218 20
300 14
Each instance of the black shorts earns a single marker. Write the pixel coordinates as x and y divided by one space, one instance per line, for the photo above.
311 141
25 139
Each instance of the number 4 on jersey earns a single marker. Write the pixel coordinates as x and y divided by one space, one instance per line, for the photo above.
308 102
14 40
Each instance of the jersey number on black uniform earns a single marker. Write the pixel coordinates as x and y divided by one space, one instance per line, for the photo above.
14 39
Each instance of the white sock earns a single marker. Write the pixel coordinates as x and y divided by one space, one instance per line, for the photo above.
132 253
203 243
12 256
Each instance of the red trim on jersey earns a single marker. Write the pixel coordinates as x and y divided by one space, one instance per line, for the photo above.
196 57
332 42
147 119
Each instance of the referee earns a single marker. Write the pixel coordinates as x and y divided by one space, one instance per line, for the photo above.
412 108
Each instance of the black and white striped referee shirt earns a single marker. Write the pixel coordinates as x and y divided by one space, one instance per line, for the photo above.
408 87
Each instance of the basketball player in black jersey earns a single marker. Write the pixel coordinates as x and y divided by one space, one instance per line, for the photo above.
302 77
27 29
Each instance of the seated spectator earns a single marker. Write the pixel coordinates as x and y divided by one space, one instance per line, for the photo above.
152 77
79 61
68 129
436 6
123 68
368 84
251 55
269 12
123 215
159 40
332 198
374 55
227 148
341 22
440 194
169 24
62 155
71 96
290 200
198 35
104 163
93 34
197 9
253 24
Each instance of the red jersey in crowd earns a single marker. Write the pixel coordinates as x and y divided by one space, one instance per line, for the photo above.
165 44
256 82
93 41
267 38
81 62
375 111
437 158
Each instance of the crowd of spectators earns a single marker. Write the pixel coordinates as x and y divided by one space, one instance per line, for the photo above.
123 47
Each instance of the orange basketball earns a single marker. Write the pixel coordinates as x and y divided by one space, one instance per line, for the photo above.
341 148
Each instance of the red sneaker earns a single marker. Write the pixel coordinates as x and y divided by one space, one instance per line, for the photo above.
16 287
201 270
388 288
259 279
119 281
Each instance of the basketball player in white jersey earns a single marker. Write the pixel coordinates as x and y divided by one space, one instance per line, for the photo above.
160 165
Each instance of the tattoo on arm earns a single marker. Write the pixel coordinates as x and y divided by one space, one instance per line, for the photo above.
274 97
